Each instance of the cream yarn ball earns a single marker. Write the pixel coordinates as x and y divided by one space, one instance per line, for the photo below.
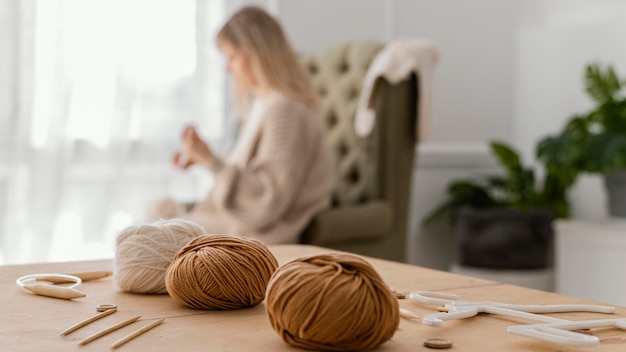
144 252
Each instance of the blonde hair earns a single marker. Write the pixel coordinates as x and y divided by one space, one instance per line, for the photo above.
272 58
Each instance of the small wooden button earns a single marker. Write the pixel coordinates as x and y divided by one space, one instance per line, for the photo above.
438 343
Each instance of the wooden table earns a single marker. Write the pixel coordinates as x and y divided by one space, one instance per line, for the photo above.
33 323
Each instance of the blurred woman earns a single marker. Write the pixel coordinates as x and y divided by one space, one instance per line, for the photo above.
278 176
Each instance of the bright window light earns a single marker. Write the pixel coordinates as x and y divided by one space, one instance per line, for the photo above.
108 51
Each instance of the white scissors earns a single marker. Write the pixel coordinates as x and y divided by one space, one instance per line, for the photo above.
551 329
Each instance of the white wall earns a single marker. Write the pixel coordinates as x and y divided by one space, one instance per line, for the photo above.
474 78
473 90
314 25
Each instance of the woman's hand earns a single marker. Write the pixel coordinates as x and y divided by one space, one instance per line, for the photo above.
194 150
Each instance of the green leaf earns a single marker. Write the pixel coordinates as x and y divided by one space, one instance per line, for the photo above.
461 193
612 116
471 193
506 155
607 151
565 153
601 85
496 182
555 194
442 211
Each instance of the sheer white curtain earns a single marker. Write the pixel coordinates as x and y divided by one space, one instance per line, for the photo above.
93 97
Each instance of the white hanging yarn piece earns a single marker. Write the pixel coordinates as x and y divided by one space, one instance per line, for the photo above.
144 252
396 62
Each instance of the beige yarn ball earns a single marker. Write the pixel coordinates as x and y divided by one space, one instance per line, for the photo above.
332 302
144 252
220 272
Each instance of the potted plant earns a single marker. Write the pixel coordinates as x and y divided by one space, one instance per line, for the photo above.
505 221
594 142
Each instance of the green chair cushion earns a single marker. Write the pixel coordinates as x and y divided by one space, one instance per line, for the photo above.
361 222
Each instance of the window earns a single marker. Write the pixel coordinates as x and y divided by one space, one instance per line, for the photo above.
97 95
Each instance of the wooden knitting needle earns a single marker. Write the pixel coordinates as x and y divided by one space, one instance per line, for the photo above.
54 291
108 330
136 333
88 321
85 276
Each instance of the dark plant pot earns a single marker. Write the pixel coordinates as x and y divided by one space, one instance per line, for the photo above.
615 184
504 238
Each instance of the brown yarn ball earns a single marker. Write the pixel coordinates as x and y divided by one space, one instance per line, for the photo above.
220 272
332 302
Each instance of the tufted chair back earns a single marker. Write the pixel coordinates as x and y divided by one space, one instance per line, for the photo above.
337 75
372 175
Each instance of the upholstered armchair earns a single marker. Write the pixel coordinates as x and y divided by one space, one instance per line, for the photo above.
372 184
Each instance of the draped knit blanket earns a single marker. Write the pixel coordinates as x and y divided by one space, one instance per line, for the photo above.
396 62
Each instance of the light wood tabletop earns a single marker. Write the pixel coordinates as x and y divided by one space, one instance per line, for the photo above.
30 322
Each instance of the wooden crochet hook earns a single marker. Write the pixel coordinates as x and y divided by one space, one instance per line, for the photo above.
54 291
136 333
85 276
88 321
108 330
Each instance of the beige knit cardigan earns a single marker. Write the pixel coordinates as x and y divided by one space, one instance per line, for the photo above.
286 178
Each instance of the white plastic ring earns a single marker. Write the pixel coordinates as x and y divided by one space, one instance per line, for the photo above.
33 277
